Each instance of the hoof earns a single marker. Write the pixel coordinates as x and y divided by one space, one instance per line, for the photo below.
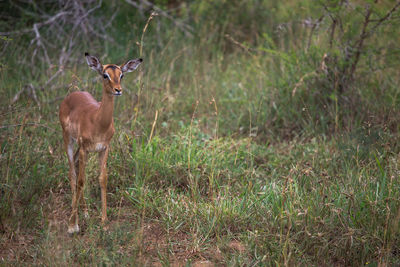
73 229
105 227
86 214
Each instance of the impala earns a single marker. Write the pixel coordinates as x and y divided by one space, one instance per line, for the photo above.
90 124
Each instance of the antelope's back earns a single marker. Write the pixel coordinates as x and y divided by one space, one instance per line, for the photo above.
75 105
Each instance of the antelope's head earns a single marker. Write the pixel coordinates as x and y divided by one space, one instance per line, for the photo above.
112 74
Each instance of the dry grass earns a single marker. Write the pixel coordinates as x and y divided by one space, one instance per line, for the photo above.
228 151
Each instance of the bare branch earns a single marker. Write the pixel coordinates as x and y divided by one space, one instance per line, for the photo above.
313 28
58 72
66 25
365 33
30 90
39 42
384 18
38 25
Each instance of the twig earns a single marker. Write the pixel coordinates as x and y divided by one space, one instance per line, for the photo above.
384 18
110 20
17 95
360 41
92 9
365 34
58 72
313 28
245 48
332 34
300 82
30 89
39 42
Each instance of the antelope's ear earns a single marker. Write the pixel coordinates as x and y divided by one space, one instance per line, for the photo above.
94 63
131 65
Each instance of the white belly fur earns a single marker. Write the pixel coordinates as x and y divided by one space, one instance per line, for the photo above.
98 147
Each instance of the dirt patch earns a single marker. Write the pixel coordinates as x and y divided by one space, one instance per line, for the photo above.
147 242
203 264
57 211
18 244
237 246
177 246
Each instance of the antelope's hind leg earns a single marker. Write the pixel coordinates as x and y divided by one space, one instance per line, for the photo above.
73 226
72 175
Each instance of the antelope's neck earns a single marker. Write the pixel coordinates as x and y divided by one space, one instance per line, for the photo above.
105 115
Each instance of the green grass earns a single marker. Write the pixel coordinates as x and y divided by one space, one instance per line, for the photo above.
254 159
188 196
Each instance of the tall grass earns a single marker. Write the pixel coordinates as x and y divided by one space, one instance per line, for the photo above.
231 147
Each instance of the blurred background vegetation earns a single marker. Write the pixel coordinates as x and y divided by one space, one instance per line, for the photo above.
281 118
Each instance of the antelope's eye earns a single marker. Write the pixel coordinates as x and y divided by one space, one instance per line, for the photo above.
122 76
105 76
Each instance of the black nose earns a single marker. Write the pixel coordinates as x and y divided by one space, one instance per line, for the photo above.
116 89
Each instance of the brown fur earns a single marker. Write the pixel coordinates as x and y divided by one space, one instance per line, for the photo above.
91 125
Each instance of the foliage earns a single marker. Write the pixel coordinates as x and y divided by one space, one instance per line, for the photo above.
275 142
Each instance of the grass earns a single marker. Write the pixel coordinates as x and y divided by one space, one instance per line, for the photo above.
188 197
224 154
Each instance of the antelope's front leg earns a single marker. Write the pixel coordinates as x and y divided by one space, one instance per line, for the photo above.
103 183
73 226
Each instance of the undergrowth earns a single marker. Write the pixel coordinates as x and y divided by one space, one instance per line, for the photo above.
235 146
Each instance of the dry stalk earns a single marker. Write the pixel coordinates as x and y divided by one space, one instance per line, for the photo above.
152 127
190 146
152 15
213 101
245 48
